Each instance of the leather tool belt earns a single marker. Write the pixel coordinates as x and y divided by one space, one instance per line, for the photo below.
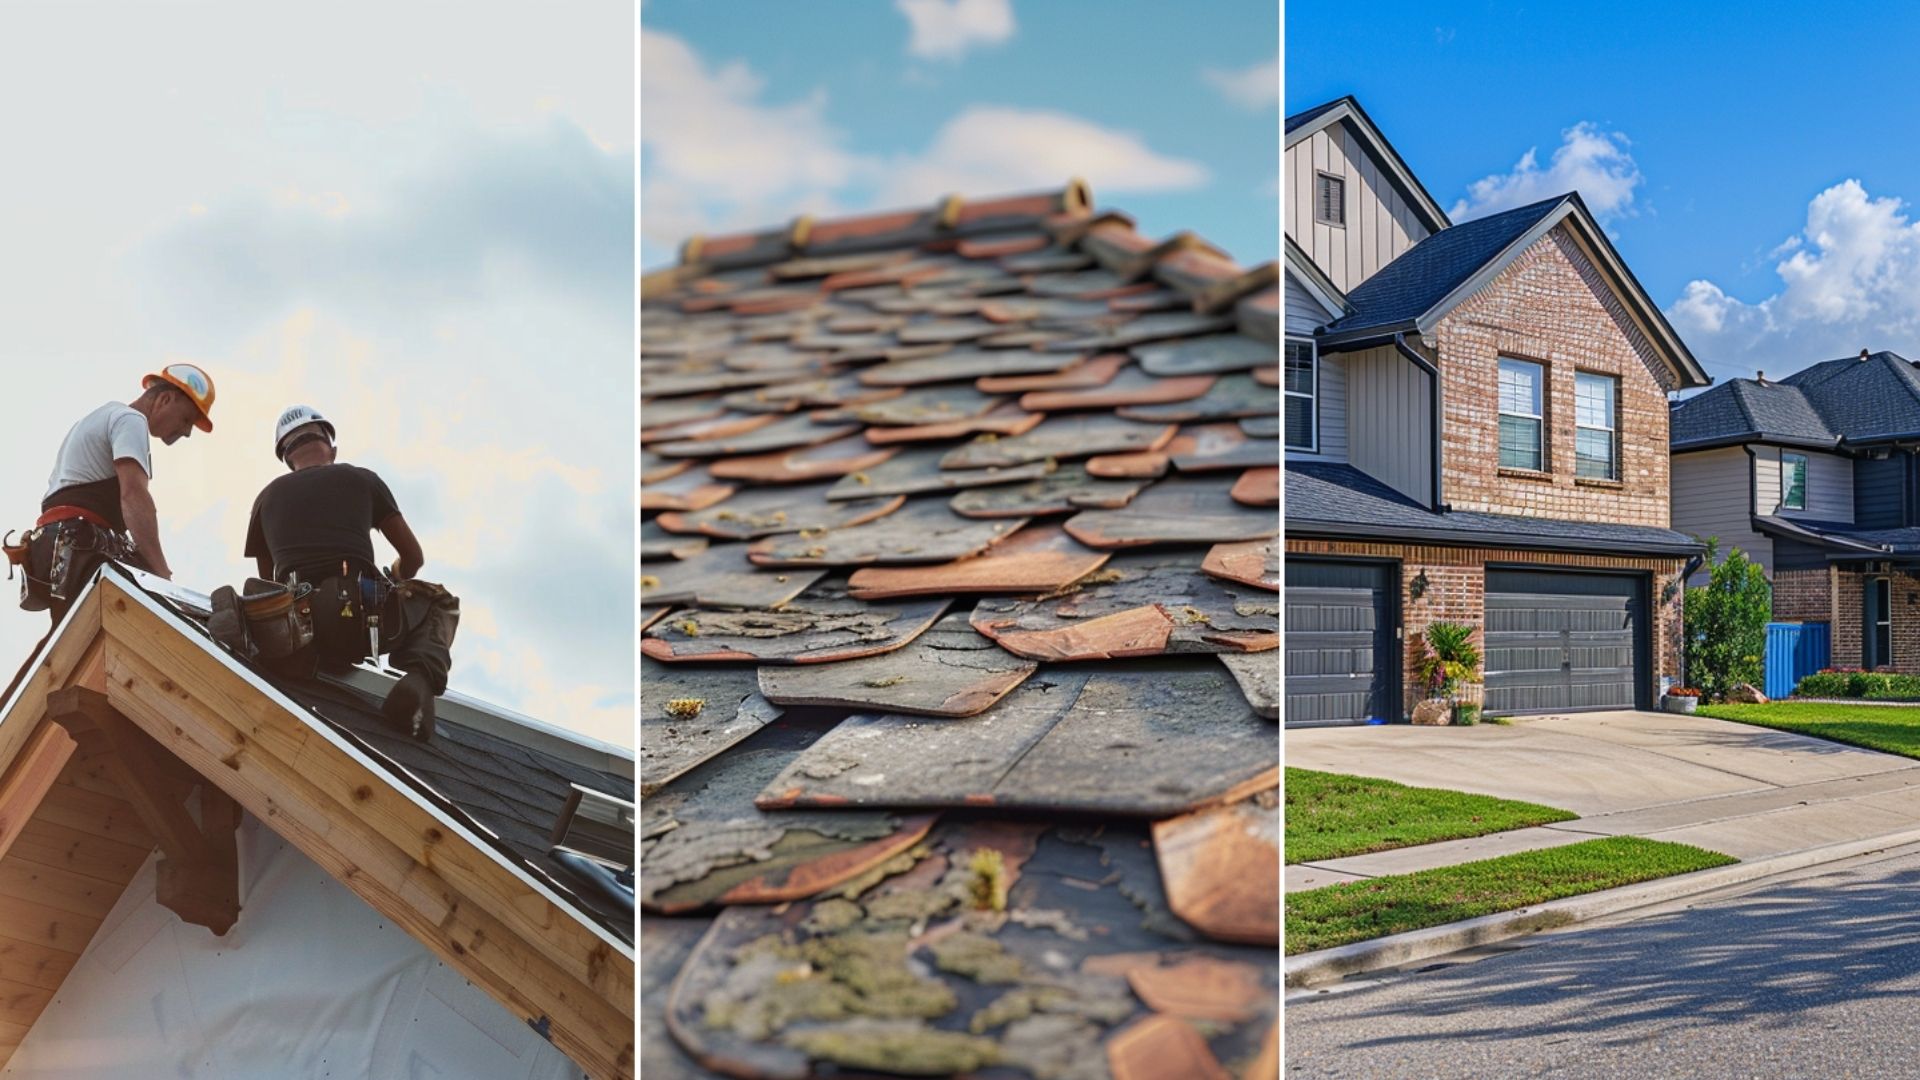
48 553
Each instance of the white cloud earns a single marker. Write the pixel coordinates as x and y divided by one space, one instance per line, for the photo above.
990 150
716 157
946 29
1849 280
1257 87
1593 162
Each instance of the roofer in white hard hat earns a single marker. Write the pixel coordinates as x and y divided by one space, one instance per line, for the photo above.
98 505
311 537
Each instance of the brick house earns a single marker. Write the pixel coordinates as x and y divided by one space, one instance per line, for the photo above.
1476 431
1814 477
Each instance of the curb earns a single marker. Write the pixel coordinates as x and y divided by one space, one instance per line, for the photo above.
1328 965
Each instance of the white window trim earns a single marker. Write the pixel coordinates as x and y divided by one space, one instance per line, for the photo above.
1342 182
1539 418
1313 398
1612 429
1785 486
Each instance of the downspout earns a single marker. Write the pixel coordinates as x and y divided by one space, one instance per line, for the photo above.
1436 501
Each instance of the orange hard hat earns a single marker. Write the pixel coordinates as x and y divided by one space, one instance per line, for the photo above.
191 381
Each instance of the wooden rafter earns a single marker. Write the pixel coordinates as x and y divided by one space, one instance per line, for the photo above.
405 861
199 874
29 780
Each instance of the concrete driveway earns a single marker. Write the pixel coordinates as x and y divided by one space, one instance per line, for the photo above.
1745 791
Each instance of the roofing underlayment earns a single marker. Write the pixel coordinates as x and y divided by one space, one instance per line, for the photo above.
131 708
959 671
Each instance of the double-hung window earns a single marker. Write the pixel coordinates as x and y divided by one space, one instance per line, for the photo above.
1302 384
1793 481
1522 443
1594 447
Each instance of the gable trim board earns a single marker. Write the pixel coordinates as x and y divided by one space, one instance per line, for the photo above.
1315 282
432 874
1599 250
1304 124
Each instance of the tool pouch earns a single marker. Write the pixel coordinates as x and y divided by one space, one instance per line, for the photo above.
279 617
33 586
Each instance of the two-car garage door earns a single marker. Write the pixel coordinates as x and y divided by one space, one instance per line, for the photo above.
1556 640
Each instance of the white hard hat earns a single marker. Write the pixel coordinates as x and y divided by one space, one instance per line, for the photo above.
297 417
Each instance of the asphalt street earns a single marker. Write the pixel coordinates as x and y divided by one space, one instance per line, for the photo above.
1817 976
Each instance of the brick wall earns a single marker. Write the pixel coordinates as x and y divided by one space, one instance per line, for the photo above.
1551 307
1850 617
1803 596
1456 592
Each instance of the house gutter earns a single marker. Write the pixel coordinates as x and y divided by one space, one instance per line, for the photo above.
1437 502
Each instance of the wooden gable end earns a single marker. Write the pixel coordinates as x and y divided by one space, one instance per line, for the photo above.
1377 218
66 864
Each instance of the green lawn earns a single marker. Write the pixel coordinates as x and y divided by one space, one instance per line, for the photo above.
1892 728
1330 815
1360 910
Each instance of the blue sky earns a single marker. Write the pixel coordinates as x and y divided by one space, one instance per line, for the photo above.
751 113
1754 161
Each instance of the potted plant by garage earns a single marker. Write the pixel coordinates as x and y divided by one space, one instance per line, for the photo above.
1681 699
1449 662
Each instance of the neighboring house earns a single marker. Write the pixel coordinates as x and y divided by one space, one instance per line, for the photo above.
1474 423
206 871
1815 478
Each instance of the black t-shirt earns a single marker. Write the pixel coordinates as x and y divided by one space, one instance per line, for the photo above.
309 521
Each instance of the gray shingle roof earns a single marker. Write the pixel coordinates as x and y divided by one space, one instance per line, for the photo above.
1743 407
1326 498
1896 541
1855 399
1424 274
1307 116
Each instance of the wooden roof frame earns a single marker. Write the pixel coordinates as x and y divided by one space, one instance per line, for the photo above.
500 928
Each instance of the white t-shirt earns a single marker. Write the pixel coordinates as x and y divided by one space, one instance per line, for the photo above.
107 434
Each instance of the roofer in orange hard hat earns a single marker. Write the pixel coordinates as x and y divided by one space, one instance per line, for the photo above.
98 505
321 586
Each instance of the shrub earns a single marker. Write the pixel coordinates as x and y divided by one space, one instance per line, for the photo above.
1726 624
1826 684
1449 659
1897 688
1466 713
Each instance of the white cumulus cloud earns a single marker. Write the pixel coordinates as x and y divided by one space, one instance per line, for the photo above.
717 157
1257 87
946 29
991 150
1593 162
1850 279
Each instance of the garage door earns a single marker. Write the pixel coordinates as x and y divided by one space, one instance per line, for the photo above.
1563 641
1340 645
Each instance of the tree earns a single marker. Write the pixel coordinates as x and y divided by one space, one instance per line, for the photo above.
1726 624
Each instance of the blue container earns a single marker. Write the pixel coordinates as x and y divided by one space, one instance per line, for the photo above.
1794 651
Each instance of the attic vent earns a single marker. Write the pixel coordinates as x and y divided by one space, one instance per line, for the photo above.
1329 199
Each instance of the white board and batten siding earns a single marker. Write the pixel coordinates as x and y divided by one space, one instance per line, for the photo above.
1829 485
1711 498
1390 421
1380 222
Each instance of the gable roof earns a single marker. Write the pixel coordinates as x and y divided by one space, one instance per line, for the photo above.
1302 124
440 839
1415 291
1854 400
